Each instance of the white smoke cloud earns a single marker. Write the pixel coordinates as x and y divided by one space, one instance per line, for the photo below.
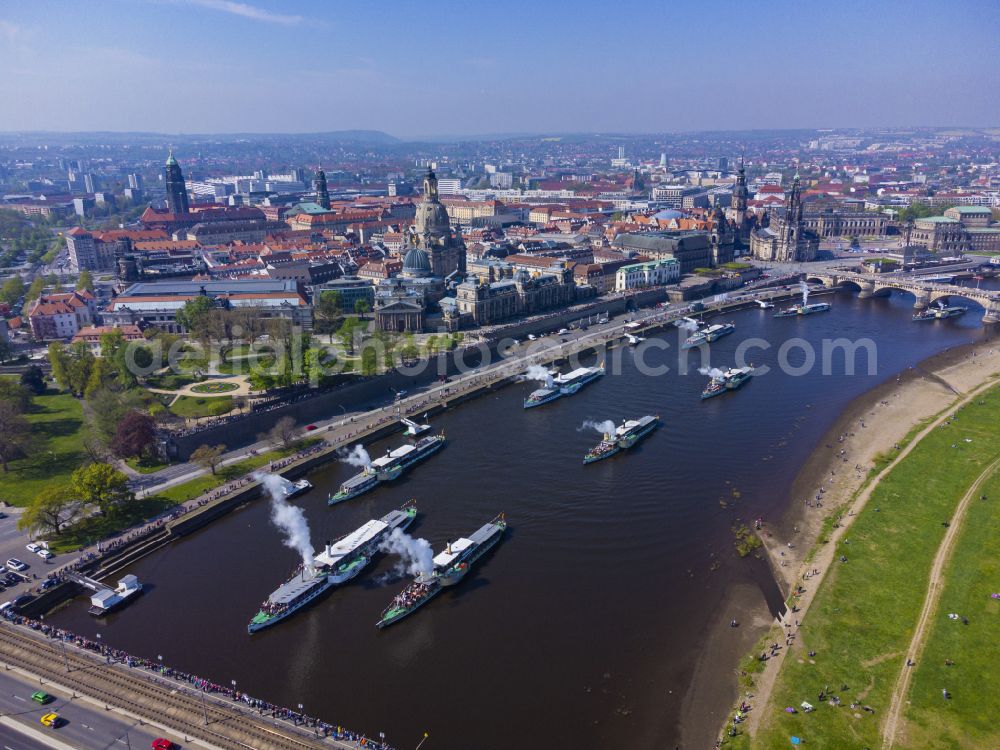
687 324
357 456
288 518
607 427
805 292
713 372
539 373
415 555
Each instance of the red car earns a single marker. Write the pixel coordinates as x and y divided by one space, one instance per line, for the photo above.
161 744
310 427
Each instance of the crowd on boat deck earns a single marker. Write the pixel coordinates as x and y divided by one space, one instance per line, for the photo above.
605 446
411 595
262 707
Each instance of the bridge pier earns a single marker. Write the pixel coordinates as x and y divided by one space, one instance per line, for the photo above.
923 300
992 314
867 290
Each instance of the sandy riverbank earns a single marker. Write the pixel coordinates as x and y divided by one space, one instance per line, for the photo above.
871 425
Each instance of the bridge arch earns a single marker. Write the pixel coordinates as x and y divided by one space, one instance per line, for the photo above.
851 284
941 294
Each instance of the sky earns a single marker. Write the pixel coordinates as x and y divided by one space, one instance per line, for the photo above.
439 67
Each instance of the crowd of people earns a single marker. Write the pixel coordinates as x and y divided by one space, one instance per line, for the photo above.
263 708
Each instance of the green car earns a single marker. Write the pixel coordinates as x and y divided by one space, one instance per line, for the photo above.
42 697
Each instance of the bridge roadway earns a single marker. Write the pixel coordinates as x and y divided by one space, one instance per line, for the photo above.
221 723
925 292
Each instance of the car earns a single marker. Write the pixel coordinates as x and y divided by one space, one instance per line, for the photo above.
563 330
310 427
32 547
40 696
163 744
45 554
20 601
51 720
11 579
15 564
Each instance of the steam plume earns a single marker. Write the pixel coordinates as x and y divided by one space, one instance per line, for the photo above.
805 292
607 427
288 518
539 373
357 456
416 556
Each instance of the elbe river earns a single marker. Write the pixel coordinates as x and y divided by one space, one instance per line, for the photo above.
582 627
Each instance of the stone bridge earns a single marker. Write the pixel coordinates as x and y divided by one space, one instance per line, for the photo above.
924 292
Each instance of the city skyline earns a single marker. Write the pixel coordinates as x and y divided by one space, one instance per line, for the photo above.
415 71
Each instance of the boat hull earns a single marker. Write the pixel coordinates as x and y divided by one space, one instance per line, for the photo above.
255 627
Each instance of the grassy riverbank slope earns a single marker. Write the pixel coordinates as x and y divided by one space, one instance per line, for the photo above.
863 617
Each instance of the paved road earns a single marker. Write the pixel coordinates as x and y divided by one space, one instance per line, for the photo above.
88 726
12 544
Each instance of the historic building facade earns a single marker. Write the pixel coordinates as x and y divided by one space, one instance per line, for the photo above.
784 238
504 293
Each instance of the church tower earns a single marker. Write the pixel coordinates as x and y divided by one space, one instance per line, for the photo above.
177 197
793 223
319 186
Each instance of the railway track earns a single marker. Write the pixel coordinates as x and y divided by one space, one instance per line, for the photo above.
139 693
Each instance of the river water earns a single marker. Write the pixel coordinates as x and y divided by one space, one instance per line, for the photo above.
581 629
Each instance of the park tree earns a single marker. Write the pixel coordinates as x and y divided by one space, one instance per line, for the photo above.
15 433
16 394
386 343
123 359
34 380
347 335
193 315
50 511
85 281
107 407
221 327
208 456
12 290
284 432
369 360
35 290
71 367
101 486
135 435
361 308
327 313
317 363
409 351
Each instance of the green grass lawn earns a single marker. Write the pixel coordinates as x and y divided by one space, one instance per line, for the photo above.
189 490
864 615
202 406
146 464
169 381
91 529
968 719
56 427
